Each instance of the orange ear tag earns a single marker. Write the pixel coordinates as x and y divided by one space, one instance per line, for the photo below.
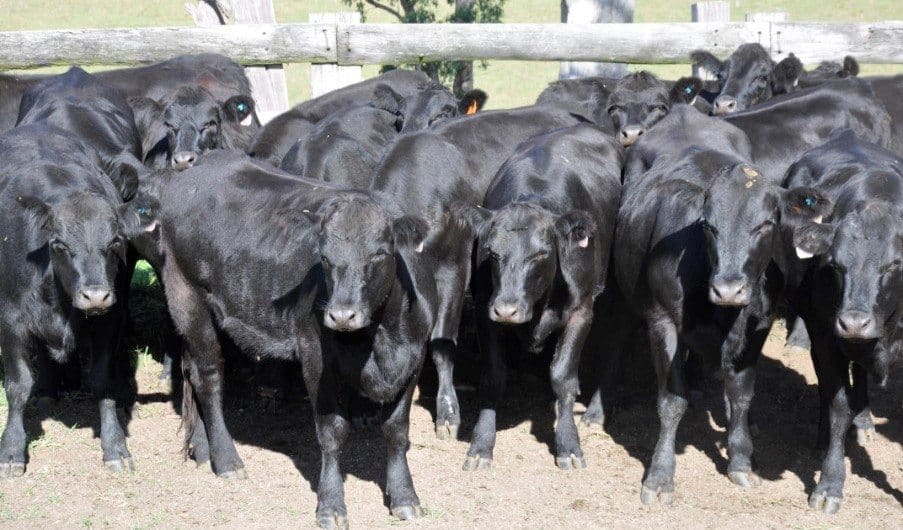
472 108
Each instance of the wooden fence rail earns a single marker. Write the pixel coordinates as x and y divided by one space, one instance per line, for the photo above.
354 44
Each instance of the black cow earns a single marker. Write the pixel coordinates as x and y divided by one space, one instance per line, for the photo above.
851 300
64 280
223 77
785 127
749 76
701 249
440 174
541 261
829 71
584 96
346 146
96 113
638 101
189 122
322 276
887 90
273 140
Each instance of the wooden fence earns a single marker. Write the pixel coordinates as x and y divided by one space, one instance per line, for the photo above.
355 44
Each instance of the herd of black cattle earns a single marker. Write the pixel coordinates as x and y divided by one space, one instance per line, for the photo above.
343 235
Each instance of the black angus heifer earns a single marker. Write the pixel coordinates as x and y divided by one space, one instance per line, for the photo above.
638 101
700 254
585 96
887 90
440 174
64 279
852 299
346 146
541 262
293 269
748 77
94 112
785 127
273 140
188 122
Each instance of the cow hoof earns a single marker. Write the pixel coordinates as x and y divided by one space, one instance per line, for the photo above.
573 461
474 463
12 470
865 436
407 513
120 465
235 474
447 431
333 521
745 479
649 495
821 501
593 421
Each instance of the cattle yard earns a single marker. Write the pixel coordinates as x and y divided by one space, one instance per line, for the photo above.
66 486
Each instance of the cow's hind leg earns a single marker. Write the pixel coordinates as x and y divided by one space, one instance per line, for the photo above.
403 500
672 404
17 381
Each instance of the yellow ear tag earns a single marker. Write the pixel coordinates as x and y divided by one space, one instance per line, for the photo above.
472 108
750 172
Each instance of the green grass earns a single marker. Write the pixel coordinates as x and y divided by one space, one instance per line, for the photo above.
509 83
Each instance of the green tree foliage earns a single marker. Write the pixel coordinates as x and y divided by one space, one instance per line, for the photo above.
459 74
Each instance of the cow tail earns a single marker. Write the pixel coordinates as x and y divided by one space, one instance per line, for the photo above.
189 408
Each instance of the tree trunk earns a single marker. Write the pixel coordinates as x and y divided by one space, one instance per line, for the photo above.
464 74
594 11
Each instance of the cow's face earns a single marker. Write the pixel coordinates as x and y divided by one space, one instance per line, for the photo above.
740 217
748 77
525 245
638 101
865 259
86 246
431 104
357 245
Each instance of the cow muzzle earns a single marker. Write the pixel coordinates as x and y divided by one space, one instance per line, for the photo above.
630 134
344 319
508 313
856 325
184 159
724 105
94 299
731 292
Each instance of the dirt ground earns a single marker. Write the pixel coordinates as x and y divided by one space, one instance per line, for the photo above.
66 486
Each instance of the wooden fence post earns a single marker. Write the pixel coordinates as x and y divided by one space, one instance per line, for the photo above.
773 44
327 77
593 12
268 85
709 12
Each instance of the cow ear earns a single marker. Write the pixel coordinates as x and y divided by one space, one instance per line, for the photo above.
850 67
786 75
472 101
706 60
575 229
803 211
139 216
410 232
125 176
474 217
39 210
149 121
385 98
685 90
237 109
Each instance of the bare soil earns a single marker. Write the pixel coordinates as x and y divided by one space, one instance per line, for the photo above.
66 486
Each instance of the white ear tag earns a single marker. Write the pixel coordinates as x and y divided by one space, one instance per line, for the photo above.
583 243
419 248
247 120
153 226
803 254
796 82
817 220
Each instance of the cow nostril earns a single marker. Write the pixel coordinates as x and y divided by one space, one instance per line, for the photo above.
640 132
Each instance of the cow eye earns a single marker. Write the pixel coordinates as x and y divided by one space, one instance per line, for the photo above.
890 267
612 109
539 256
761 79
325 261
380 255
209 125
168 126
764 227
58 246
116 245
708 228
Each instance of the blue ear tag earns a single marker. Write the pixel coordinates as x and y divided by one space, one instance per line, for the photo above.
143 211
810 202
688 90
242 107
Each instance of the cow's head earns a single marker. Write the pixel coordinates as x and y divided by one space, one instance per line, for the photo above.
430 104
866 265
743 215
191 122
360 248
748 77
86 245
526 245
638 101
